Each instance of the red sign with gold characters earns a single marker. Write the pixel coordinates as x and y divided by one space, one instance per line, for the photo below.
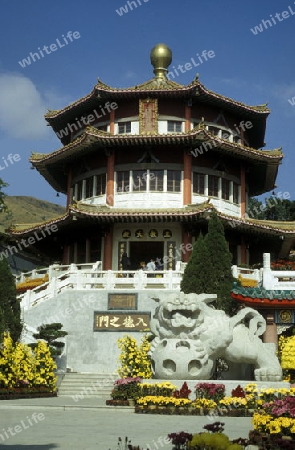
148 116
119 321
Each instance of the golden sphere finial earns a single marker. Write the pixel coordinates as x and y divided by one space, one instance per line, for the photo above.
161 57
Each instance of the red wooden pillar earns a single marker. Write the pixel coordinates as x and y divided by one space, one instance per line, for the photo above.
66 255
187 176
108 249
110 178
112 121
188 115
186 248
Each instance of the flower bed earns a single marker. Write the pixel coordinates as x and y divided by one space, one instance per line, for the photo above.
117 402
10 393
214 438
276 417
125 389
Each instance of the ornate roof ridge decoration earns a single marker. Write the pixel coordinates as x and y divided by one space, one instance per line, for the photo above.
84 208
90 133
260 296
154 84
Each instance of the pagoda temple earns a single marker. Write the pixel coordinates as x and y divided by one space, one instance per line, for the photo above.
143 167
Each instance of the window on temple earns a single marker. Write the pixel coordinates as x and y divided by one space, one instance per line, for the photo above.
174 126
124 127
156 178
139 180
123 181
225 190
213 186
79 190
235 193
100 184
102 127
213 130
198 183
173 180
89 187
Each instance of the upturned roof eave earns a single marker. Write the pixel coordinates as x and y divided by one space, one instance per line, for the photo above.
92 138
91 135
194 89
106 214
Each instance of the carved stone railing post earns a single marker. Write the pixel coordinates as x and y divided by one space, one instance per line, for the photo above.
109 280
268 279
140 279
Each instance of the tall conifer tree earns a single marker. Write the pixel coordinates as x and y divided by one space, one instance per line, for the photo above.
209 268
221 279
198 269
9 305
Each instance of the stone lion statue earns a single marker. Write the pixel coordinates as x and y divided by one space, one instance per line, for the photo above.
191 335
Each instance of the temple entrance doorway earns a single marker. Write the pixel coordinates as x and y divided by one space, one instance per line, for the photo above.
144 251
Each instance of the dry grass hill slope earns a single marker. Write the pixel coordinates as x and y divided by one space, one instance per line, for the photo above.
22 210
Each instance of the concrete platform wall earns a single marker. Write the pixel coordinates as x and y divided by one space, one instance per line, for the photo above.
86 350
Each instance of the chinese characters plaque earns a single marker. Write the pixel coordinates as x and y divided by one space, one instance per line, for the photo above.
122 301
118 321
148 116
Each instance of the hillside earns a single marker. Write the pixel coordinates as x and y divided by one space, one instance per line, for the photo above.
23 209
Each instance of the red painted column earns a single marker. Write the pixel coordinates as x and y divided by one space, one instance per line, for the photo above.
66 255
186 248
187 176
108 249
188 116
110 178
112 121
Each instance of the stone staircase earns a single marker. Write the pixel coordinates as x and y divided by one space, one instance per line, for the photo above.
87 385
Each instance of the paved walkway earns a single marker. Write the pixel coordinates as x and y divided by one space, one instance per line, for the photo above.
62 423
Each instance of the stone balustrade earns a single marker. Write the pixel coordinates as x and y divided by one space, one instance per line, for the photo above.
90 276
83 278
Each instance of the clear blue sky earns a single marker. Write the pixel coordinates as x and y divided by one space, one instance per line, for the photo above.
254 69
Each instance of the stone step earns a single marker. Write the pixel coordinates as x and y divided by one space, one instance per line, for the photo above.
92 385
